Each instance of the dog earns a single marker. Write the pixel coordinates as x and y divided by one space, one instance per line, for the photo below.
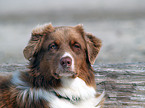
59 73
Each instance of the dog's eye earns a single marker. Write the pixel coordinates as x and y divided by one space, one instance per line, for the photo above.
76 45
53 46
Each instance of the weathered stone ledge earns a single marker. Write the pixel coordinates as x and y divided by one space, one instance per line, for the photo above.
124 83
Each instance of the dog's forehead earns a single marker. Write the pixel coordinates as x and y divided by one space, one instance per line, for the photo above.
66 34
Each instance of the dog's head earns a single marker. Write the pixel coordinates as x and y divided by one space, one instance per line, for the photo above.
61 51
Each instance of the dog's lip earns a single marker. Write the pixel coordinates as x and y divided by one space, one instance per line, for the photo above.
64 73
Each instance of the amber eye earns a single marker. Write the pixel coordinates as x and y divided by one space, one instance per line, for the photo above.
52 46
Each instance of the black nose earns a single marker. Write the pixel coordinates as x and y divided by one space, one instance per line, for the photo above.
66 62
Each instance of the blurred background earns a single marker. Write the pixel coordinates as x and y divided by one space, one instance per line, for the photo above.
120 24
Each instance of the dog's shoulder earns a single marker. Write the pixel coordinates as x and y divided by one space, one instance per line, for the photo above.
5 81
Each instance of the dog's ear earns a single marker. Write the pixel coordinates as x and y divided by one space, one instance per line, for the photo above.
79 28
37 39
93 45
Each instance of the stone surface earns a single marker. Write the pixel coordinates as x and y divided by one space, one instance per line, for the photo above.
124 83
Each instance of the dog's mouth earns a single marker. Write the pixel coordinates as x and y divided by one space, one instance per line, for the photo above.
64 73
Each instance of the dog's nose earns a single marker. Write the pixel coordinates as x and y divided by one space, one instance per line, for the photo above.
66 62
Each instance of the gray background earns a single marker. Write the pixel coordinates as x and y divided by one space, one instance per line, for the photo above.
120 24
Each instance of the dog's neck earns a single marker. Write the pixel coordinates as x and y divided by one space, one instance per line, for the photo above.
75 92
75 89
72 100
72 88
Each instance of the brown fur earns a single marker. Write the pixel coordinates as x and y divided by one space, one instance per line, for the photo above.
44 62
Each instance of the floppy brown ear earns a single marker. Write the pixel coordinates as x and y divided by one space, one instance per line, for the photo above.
36 41
93 44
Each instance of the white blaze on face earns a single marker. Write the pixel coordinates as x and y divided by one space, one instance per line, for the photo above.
66 54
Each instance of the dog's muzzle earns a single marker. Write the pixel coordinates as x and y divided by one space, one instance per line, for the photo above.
65 69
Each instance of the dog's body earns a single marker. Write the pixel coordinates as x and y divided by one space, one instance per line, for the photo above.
60 73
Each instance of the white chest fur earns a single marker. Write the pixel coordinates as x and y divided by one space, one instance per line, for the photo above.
71 88
76 88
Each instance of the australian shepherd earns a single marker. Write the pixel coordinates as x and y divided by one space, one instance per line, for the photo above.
59 73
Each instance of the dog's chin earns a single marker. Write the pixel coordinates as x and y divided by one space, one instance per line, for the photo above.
64 73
